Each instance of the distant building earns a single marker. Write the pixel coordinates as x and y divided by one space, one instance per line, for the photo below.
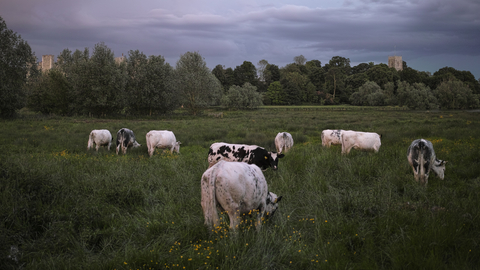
395 62
47 62
120 59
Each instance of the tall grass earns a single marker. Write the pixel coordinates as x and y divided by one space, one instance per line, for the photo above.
64 207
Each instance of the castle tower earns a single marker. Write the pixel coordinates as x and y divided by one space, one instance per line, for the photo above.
47 62
395 62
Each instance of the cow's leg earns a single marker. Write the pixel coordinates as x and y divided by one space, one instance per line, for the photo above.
234 217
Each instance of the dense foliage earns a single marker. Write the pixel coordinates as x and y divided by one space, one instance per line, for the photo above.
64 207
16 62
98 84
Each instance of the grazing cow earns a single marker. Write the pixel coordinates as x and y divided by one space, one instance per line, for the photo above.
126 139
250 154
422 159
330 137
283 141
368 141
99 137
237 188
162 139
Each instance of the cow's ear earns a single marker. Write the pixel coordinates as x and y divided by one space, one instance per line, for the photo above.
281 156
278 199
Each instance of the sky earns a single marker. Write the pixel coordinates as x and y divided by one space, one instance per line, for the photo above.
428 34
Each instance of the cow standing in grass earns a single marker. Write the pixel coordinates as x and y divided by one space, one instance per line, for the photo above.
330 137
251 154
367 141
125 140
236 188
283 142
162 139
99 137
422 159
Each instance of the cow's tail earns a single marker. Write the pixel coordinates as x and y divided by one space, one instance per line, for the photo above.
209 198
90 140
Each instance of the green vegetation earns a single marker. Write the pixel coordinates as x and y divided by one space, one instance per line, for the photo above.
64 207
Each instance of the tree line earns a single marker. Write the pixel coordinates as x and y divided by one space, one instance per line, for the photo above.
94 84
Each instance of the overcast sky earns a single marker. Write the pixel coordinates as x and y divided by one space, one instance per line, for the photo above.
428 34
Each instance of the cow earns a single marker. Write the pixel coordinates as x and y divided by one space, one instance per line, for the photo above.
422 159
162 139
99 137
283 142
126 139
368 141
330 137
251 154
236 188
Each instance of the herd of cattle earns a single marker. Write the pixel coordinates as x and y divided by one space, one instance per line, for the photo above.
234 181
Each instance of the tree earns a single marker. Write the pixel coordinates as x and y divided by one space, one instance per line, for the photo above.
300 60
417 96
382 74
51 93
151 82
245 73
336 72
455 94
271 74
196 85
243 98
276 94
107 82
262 65
368 94
17 62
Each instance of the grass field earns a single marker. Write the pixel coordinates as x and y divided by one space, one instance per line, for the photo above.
63 207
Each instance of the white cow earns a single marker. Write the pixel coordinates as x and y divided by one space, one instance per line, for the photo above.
422 159
330 137
368 141
162 139
283 141
99 137
237 188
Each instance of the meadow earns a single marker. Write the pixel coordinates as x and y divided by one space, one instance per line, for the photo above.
63 207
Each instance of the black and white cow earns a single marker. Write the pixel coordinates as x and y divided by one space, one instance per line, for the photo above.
236 188
283 142
422 159
330 137
251 154
99 137
126 139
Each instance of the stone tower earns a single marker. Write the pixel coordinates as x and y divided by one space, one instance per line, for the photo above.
47 62
395 62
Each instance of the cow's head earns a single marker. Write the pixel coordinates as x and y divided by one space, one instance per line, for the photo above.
176 148
439 168
136 144
272 203
272 158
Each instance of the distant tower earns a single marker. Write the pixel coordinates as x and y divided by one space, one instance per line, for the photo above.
47 62
120 59
395 62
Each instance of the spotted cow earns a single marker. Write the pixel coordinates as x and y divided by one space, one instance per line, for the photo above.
283 142
126 139
422 159
251 154
330 137
236 188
